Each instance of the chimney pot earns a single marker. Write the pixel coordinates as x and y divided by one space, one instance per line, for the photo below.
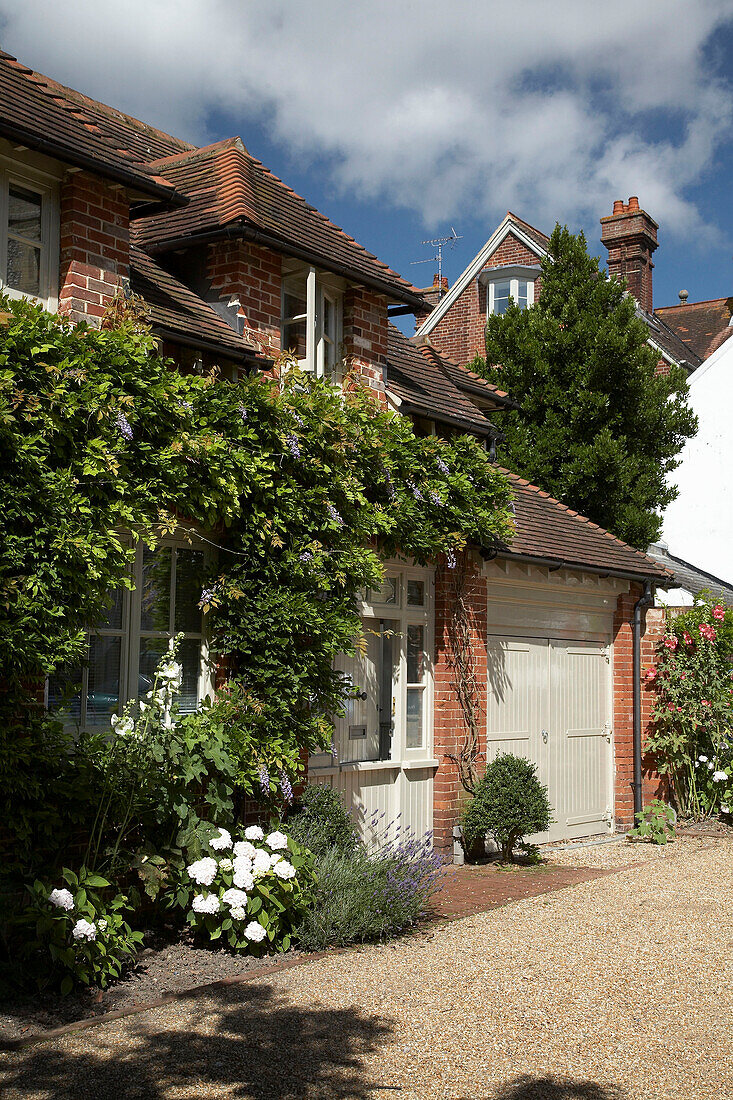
683 296
618 207
634 202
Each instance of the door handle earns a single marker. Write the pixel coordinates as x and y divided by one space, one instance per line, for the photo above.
545 735
361 695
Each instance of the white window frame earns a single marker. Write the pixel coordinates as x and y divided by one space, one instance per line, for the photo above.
322 351
513 275
41 184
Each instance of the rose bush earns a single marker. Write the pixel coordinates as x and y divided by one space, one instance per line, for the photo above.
692 736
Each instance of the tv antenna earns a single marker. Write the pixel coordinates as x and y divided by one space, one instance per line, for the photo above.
439 244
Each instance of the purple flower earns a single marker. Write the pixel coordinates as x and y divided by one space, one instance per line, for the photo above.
333 750
243 412
450 559
264 780
292 442
306 556
298 420
334 515
436 498
442 466
186 405
207 595
414 490
123 425
286 787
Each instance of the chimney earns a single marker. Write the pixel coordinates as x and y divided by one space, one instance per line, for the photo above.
630 236
440 284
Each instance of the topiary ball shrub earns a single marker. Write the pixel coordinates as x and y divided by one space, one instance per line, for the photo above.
320 822
509 803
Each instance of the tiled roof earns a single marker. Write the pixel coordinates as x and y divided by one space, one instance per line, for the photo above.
34 111
181 315
421 384
668 340
689 576
229 188
467 381
547 529
704 326
535 235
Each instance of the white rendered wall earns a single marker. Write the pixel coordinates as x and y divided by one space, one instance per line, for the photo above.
698 525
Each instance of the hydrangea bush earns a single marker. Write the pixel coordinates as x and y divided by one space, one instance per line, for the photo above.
249 893
692 737
82 928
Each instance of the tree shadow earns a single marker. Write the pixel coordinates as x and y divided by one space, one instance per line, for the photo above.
249 1042
556 1088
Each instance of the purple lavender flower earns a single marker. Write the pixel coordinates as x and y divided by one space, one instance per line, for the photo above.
436 498
442 466
123 425
207 596
243 412
264 780
334 515
286 787
414 490
293 445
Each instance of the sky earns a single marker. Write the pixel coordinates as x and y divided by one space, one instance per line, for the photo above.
403 120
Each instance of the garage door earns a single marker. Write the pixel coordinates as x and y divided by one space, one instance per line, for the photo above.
549 700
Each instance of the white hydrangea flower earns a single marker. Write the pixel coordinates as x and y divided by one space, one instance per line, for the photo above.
238 914
206 904
244 848
720 777
254 832
203 871
222 841
255 932
244 880
84 930
277 841
62 899
284 870
275 858
260 864
225 865
234 898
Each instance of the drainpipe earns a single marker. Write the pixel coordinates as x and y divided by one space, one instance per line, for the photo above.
645 600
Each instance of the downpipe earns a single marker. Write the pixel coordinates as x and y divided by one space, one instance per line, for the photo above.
645 600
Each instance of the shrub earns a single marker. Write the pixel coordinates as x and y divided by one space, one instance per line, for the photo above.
363 897
654 823
321 823
85 934
249 893
509 803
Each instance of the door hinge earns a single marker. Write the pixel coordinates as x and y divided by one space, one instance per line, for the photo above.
607 732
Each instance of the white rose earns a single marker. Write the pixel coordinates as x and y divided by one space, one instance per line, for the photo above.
203 871
255 932
284 870
277 841
234 898
206 904
244 848
254 832
83 930
223 840
225 865
238 914
62 899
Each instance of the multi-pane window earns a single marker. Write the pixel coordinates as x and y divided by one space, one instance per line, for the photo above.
28 238
311 321
501 290
126 646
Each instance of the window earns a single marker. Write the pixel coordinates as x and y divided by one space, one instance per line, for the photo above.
311 320
29 254
503 284
125 648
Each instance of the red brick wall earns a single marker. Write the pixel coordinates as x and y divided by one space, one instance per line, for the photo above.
253 274
95 246
623 703
630 236
365 335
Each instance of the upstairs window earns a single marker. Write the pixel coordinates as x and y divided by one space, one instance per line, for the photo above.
29 253
311 320
504 284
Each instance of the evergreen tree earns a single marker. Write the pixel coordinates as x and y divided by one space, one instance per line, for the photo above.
598 428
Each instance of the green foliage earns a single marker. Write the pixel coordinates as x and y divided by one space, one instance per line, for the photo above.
598 429
692 736
509 803
654 823
321 823
247 894
362 896
89 943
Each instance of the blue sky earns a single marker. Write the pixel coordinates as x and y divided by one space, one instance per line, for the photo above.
400 120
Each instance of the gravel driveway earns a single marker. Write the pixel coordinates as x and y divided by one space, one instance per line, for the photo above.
616 989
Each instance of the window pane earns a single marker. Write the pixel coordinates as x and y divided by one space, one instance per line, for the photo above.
113 618
416 593
24 213
522 293
189 581
501 297
294 305
328 314
388 592
389 630
103 685
413 734
189 656
294 338
64 692
24 262
155 599
415 655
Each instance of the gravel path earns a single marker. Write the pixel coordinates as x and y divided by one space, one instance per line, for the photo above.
616 989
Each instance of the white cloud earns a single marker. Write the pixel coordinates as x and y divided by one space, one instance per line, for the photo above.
550 108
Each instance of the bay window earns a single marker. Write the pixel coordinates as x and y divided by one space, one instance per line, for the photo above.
506 283
311 320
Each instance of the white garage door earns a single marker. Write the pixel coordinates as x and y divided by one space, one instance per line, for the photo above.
550 701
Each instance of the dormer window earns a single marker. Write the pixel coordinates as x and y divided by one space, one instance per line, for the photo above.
311 320
28 239
505 283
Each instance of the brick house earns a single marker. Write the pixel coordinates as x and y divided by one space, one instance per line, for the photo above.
233 267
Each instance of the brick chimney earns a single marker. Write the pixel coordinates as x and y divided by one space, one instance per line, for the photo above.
630 236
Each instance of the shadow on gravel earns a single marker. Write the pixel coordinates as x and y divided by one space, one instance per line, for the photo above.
248 1043
556 1088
